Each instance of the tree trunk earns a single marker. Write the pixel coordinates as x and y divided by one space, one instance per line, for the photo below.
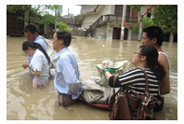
171 38
140 23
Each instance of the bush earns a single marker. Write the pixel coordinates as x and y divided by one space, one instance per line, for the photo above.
63 26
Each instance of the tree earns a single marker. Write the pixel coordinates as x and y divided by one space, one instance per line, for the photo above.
140 9
41 14
146 23
77 17
62 26
57 9
166 17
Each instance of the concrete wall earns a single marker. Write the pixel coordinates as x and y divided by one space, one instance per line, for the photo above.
87 8
134 36
91 18
101 32
106 31
109 31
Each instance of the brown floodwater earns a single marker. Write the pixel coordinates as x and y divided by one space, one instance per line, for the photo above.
26 103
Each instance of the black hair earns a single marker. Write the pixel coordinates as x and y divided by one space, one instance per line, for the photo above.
151 54
30 28
65 36
27 44
155 32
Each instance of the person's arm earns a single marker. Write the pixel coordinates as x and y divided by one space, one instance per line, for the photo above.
134 75
165 83
36 73
25 65
36 65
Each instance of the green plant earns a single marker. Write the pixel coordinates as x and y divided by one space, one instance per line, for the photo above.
62 26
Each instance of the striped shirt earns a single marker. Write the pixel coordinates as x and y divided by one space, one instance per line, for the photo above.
134 79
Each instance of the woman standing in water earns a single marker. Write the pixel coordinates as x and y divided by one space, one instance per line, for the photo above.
146 57
40 63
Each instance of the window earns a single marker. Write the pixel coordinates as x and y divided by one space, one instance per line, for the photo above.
118 10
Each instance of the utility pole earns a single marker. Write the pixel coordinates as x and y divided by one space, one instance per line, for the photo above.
123 22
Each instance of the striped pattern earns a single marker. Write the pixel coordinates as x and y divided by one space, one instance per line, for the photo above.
135 80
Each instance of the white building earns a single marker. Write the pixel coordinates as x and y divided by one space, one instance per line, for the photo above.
104 21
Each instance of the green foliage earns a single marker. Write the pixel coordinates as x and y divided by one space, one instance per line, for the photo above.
136 7
62 26
147 22
40 14
77 17
58 9
166 17
17 8
48 19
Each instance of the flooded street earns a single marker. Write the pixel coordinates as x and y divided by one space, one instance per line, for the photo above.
26 103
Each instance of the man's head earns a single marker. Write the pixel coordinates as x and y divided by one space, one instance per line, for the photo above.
30 32
152 35
61 39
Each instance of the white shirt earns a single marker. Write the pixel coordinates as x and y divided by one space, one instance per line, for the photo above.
39 63
67 76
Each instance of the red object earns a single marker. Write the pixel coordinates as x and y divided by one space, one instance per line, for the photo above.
123 23
8 44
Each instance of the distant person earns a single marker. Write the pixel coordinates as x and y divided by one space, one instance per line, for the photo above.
31 33
153 36
67 76
39 65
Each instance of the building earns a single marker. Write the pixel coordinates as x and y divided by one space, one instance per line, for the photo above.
104 21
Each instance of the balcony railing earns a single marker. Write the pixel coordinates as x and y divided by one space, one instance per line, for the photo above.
110 18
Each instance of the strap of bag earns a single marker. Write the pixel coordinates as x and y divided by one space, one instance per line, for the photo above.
114 82
146 77
112 100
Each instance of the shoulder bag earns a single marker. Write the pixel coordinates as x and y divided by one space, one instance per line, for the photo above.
127 107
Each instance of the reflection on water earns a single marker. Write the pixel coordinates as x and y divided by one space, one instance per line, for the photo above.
24 102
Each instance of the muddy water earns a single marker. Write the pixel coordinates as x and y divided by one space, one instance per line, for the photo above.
24 102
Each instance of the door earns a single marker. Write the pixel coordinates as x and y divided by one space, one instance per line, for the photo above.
116 33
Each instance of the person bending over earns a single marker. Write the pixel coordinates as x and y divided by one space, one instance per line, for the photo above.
40 63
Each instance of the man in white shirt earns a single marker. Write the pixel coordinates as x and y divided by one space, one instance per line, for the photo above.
67 76
31 33
153 36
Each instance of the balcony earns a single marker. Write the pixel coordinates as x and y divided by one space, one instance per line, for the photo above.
110 18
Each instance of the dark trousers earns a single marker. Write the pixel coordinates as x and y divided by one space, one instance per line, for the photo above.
159 107
65 100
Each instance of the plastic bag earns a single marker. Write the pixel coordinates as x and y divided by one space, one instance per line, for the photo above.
115 68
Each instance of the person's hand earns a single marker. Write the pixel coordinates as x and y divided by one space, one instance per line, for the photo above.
25 65
32 72
104 65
